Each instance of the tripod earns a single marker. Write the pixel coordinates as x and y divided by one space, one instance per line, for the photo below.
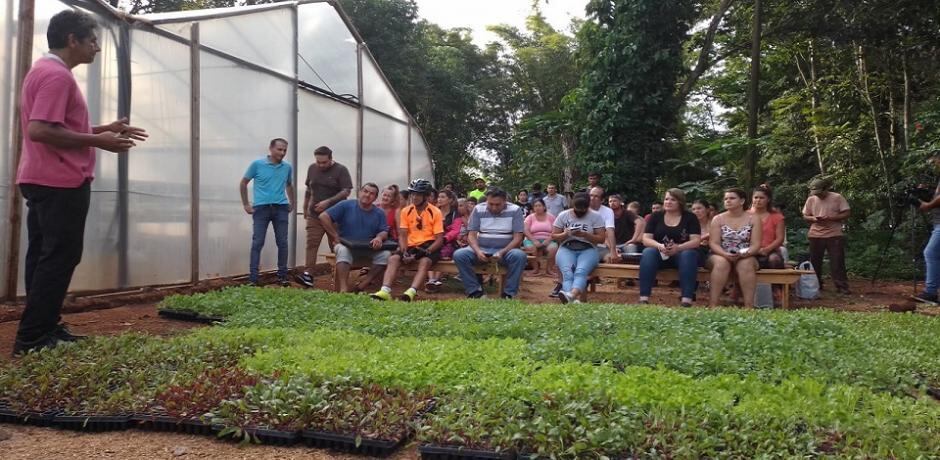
887 246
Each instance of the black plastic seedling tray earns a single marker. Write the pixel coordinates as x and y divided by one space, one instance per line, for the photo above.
429 452
346 443
94 423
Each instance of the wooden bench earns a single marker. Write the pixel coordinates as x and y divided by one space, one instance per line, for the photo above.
443 266
783 276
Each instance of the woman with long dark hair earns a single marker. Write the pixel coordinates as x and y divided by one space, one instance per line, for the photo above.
672 240
736 235
447 203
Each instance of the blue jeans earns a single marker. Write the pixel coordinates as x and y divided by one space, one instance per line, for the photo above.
932 257
514 261
686 261
575 266
278 215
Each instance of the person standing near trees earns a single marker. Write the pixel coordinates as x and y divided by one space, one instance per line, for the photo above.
479 189
273 180
55 174
328 183
932 250
555 202
826 211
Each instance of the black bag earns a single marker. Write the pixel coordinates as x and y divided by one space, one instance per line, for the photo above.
363 245
577 245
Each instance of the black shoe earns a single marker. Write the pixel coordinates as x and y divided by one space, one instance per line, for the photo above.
65 335
283 282
555 291
22 347
686 304
306 279
505 296
926 297
478 294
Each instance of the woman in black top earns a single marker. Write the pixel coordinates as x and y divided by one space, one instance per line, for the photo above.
671 238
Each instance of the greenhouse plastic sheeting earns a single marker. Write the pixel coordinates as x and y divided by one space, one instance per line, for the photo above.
381 161
247 95
420 160
7 68
322 121
265 38
330 67
236 125
376 93
159 246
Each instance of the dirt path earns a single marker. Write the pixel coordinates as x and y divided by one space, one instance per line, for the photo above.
48 443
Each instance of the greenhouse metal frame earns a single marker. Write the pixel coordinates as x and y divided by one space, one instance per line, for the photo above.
212 87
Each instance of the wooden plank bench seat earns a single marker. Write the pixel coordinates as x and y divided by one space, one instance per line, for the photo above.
783 276
444 266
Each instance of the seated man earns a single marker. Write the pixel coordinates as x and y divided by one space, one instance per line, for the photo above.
495 234
363 228
420 237
628 227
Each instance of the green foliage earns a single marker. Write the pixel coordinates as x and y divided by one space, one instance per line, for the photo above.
882 352
633 52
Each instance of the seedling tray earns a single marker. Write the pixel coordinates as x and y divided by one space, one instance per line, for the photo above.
429 452
44 419
345 443
167 423
191 316
274 437
8 415
93 423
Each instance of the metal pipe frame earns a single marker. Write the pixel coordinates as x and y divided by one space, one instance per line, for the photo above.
360 117
194 143
295 142
123 46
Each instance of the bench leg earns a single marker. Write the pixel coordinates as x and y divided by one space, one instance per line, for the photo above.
786 296
500 283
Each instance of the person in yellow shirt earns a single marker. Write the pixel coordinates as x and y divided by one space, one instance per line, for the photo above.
479 190
420 237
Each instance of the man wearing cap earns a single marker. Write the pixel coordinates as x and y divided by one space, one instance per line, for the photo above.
479 189
826 211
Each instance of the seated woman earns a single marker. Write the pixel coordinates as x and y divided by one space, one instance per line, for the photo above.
773 231
701 210
389 203
672 239
538 237
447 203
578 230
734 235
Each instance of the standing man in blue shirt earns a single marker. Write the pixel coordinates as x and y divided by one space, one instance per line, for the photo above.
495 234
273 203
363 229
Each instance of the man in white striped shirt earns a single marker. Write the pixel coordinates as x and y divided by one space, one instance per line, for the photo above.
495 234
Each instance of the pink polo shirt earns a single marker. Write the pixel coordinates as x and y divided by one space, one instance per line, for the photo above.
51 94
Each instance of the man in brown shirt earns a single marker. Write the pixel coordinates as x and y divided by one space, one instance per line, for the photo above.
826 211
328 183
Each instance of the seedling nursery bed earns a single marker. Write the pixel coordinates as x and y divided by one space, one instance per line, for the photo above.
342 372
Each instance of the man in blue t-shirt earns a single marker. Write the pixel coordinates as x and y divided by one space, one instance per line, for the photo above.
495 233
363 229
273 202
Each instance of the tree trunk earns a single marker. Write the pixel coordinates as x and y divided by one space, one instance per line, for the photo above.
750 161
810 84
703 62
892 128
907 104
567 153
866 94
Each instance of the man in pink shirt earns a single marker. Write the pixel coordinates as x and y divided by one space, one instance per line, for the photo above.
55 174
826 211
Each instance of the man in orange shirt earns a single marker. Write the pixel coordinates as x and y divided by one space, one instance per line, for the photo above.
420 237
826 211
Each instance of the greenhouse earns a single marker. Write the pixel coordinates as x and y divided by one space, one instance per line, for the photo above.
212 87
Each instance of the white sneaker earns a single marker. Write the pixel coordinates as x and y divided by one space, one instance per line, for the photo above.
576 301
565 297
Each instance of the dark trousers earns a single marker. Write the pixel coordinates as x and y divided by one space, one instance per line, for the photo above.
55 224
836 247
278 216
